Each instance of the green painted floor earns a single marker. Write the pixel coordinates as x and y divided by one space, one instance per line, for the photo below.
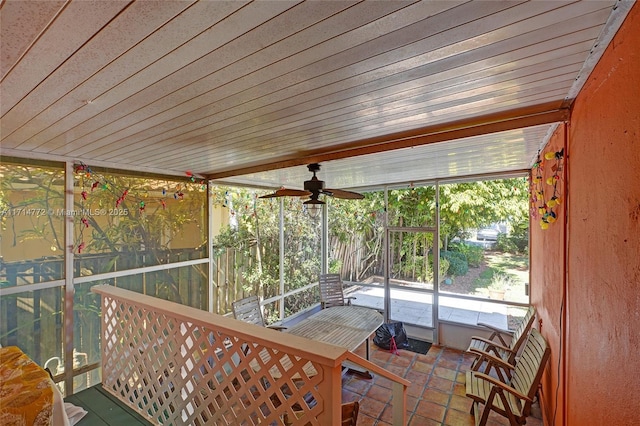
104 409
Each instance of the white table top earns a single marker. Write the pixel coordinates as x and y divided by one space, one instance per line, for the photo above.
346 326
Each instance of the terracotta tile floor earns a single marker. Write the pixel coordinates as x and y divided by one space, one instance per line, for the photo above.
436 395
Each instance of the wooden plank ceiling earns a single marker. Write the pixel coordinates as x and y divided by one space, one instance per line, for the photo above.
379 92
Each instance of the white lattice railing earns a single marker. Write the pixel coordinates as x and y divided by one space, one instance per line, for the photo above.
178 365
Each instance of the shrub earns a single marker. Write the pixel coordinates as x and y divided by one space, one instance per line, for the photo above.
444 269
473 254
500 281
458 264
517 241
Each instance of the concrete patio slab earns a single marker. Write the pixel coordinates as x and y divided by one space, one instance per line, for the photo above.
414 307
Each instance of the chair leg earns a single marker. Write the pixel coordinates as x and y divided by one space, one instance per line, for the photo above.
485 415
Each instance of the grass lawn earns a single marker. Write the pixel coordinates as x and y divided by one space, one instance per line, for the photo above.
514 266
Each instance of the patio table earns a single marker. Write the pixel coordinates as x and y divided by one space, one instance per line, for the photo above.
346 326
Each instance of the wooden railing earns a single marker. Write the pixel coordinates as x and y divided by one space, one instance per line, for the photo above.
179 365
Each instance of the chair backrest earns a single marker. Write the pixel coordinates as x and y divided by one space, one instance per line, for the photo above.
530 366
331 293
521 332
248 310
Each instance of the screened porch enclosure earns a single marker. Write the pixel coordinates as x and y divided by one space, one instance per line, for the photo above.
149 235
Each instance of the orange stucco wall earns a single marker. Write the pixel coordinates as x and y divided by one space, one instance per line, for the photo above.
548 281
600 245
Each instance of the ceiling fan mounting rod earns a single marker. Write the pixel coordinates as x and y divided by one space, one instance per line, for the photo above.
313 167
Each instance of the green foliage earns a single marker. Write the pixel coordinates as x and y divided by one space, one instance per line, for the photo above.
473 254
335 265
485 277
500 281
457 262
517 241
251 240
471 205
495 278
444 268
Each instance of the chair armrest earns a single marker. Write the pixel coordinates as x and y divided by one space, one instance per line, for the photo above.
490 344
348 300
497 332
501 385
492 359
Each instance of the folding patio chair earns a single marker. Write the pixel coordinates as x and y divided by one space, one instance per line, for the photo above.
496 343
249 310
331 292
512 398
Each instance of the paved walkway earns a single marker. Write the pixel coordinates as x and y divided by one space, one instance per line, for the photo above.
414 307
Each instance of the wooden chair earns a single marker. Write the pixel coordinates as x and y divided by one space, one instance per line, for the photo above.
511 399
496 343
349 414
331 292
249 310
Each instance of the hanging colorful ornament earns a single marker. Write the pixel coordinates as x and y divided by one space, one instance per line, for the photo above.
164 205
554 155
95 185
85 222
545 207
551 217
81 247
84 195
141 206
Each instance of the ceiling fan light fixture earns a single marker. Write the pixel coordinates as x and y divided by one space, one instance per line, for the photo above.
314 207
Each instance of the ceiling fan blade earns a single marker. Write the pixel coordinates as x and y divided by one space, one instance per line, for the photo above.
292 193
284 192
341 193
274 195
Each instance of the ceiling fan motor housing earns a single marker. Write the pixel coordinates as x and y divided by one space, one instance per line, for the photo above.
314 185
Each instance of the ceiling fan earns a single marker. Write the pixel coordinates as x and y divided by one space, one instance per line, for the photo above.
313 188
